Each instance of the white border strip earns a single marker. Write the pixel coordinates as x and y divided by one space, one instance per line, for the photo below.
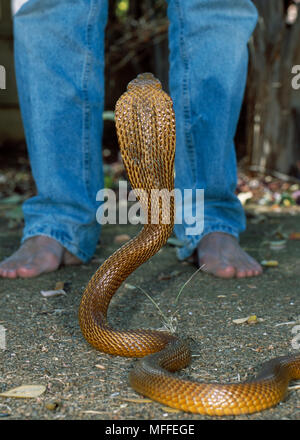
16 5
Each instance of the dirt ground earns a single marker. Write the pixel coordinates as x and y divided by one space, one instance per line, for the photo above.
44 344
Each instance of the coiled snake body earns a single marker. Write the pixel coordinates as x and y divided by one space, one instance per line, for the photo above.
146 131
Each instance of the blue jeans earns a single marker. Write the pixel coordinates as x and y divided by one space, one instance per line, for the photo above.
59 59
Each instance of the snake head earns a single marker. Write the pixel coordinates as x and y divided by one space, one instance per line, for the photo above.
144 80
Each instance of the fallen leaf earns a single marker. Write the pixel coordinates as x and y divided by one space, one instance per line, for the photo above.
25 391
121 238
286 323
129 286
251 319
170 410
240 320
294 236
108 115
244 197
269 263
277 245
50 293
94 412
59 285
136 400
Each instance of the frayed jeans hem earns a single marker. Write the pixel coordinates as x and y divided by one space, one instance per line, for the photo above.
59 236
191 242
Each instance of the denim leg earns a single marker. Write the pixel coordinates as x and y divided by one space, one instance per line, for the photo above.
208 70
59 58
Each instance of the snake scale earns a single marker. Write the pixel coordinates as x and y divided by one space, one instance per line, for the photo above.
145 125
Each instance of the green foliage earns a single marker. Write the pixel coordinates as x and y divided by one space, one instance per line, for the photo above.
122 7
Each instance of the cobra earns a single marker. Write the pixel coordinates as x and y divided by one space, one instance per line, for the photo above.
145 125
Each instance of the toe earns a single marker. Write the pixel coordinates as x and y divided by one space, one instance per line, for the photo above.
241 273
8 274
257 272
224 271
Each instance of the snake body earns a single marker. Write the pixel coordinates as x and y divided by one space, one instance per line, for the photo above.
145 125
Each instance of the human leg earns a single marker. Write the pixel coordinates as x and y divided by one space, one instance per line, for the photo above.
208 70
59 58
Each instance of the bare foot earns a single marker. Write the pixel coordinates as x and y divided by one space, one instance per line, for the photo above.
36 255
221 255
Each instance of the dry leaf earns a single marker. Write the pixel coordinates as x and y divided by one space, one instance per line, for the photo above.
129 286
294 236
94 412
277 245
59 285
294 387
170 410
50 293
240 320
136 400
269 263
25 391
121 238
244 197
251 319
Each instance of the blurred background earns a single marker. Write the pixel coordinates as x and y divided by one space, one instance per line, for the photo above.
268 135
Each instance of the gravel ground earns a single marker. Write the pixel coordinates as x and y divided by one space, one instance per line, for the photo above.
44 344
